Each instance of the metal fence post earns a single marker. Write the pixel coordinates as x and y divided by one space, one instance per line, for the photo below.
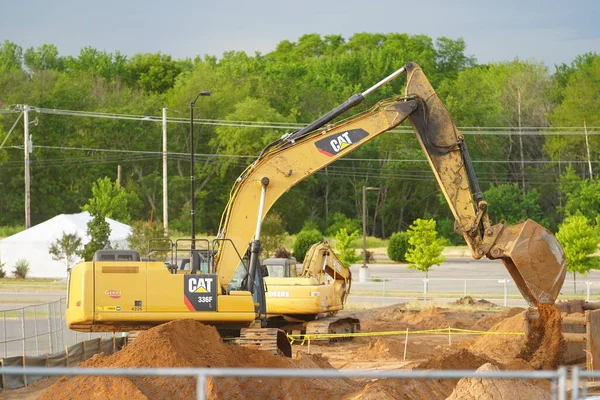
62 323
49 330
575 382
23 327
587 296
5 338
35 331
201 387
562 383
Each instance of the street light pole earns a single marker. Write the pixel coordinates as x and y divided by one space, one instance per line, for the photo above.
192 178
364 270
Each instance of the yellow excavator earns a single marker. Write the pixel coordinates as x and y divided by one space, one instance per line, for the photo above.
229 292
307 303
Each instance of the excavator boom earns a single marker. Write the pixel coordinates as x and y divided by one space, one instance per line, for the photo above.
531 253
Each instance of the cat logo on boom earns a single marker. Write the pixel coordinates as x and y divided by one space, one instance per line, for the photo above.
333 144
200 292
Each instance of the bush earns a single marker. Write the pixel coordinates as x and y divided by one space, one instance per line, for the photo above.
305 239
398 246
2 271
21 269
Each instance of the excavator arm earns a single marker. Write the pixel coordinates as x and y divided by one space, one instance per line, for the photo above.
531 253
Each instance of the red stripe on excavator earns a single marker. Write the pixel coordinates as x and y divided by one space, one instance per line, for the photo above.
188 304
328 154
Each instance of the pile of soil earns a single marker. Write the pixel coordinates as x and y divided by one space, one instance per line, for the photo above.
407 389
487 323
188 343
545 347
503 348
375 349
478 388
469 301
399 318
459 359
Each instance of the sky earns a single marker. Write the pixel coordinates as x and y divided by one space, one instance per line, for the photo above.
550 31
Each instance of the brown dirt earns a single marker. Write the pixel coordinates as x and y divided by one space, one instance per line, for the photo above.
503 348
397 317
189 343
458 359
407 389
544 348
489 389
486 323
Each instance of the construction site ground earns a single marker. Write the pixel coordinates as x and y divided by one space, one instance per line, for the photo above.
190 344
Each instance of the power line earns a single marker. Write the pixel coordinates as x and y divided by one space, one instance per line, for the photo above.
346 159
493 130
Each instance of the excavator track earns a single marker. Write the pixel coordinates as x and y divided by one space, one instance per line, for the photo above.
273 340
332 325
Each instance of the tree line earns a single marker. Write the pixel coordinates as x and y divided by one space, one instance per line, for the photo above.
527 170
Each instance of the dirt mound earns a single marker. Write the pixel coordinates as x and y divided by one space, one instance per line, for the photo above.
460 359
469 301
408 389
545 347
486 323
188 343
478 388
374 350
503 348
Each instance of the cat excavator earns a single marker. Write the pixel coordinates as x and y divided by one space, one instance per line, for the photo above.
229 292
308 303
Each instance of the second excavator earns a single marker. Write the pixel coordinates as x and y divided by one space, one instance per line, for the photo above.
230 293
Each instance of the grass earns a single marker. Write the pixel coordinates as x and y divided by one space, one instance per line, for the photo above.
22 285
10 230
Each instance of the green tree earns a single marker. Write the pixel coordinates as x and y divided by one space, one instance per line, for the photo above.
582 195
425 248
341 221
272 234
65 248
513 204
111 200
579 240
345 250
142 232
304 239
99 232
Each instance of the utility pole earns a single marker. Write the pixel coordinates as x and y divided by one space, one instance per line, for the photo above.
587 146
26 150
521 139
165 187
119 175
364 274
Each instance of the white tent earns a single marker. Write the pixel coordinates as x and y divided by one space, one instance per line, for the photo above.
32 244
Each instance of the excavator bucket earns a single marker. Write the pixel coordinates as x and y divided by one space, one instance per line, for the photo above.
534 259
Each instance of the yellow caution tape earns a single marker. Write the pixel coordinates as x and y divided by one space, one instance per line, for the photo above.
441 331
